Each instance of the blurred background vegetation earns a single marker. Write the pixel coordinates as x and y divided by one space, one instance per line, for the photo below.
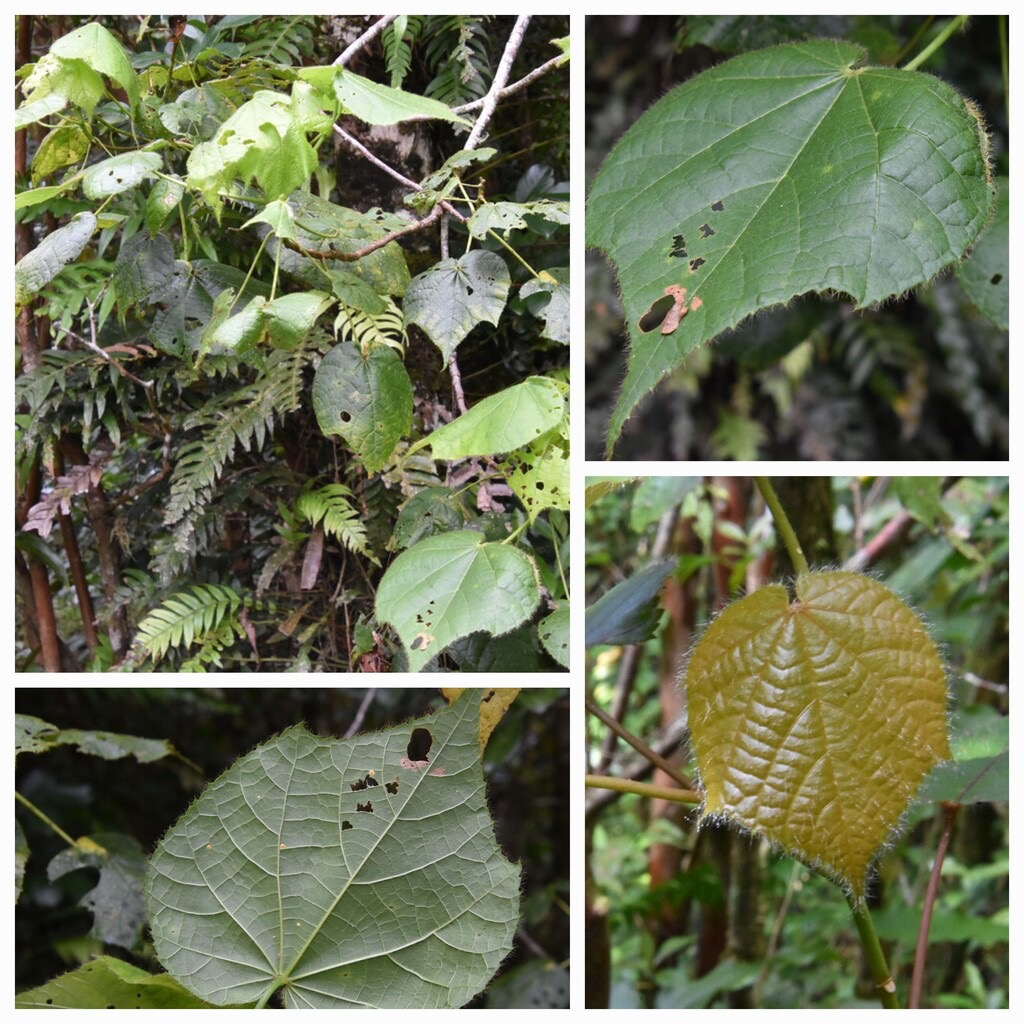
525 764
677 918
922 378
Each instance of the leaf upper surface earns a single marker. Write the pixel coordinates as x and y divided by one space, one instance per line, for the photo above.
815 721
780 172
365 398
453 584
274 876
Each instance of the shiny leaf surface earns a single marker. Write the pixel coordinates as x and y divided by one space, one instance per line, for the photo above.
815 720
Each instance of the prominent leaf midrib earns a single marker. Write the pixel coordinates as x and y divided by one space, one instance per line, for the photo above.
299 976
638 196
315 932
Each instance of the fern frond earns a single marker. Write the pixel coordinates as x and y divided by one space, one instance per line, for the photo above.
281 40
183 617
387 328
458 55
329 506
397 41
244 419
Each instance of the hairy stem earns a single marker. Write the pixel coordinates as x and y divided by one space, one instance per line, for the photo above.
955 25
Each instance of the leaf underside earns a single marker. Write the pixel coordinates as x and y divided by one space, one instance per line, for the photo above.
330 869
780 172
815 720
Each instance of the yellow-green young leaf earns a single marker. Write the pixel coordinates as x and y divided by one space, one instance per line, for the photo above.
815 720
108 983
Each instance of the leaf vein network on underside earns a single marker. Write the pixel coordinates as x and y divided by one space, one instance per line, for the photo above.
213 890
315 931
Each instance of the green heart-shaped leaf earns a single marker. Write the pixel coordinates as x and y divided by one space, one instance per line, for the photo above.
347 873
815 720
455 295
453 584
780 172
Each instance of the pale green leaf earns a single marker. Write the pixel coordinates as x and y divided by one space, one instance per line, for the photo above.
455 295
259 141
347 873
108 983
548 298
776 173
815 719
35 110
504 216
512 418
100 50
61 82
374 103
35 196
278 214
538 472
38 268
291 317
119 173
366 398
453 584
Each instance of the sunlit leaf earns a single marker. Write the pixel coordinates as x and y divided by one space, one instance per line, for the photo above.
454 584
109 983
514 417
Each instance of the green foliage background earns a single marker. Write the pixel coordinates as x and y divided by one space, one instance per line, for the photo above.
949 558
174 470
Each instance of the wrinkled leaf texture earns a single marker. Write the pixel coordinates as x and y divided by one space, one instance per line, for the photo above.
814 720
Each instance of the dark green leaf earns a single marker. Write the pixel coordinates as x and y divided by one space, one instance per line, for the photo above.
629 612
455 295
366 398
780 172
986 275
